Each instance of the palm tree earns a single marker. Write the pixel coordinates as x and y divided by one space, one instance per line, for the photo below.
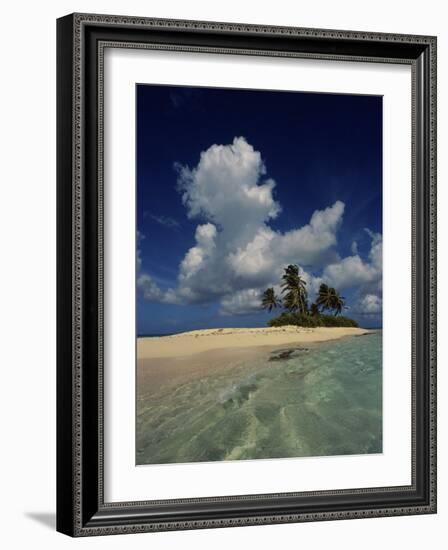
338 302
269 299
329 298
325 297
294 288
314 309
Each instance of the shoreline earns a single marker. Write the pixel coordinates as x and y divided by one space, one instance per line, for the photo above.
187 344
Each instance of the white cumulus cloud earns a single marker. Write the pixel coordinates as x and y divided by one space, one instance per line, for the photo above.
226 185
354 271
369 304
363 275
149 288
236 253
241 302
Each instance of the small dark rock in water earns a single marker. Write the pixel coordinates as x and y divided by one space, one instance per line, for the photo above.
286 354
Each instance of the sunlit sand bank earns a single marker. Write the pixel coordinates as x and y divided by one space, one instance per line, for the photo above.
199 341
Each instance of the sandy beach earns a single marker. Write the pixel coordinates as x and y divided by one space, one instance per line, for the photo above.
200 341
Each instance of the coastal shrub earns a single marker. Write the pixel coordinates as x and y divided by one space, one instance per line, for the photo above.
311 321
298 319
337 321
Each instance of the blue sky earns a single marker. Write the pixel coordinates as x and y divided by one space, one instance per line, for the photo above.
232 185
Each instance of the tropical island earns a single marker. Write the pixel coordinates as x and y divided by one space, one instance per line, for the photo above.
299 324
298 312
240 388
244 347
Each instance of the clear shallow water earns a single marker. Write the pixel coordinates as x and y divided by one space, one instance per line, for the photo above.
321 401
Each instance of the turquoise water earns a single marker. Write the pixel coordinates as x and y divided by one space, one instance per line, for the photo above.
321 400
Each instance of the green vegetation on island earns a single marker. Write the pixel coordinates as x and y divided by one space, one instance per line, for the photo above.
324 312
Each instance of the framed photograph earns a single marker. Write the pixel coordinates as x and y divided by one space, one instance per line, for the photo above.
246 274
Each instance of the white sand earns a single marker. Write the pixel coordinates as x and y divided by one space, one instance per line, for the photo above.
198 341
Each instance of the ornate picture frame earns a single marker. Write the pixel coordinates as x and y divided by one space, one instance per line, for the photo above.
81 506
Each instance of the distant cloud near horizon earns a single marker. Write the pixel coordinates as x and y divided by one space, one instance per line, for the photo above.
237 254
370 304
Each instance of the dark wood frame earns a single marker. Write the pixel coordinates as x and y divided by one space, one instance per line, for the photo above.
81 39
